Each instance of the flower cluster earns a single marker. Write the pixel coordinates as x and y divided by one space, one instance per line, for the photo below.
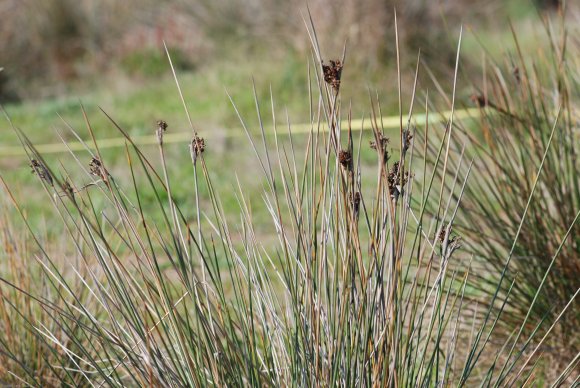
396 181
161 127
332 73
197 147
97 169
345 159
40 169
383 142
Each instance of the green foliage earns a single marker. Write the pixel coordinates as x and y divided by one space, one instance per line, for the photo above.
152 62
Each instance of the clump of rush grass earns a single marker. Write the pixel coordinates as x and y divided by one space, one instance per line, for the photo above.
527 163
360 289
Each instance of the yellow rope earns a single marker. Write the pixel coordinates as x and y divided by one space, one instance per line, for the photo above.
183 137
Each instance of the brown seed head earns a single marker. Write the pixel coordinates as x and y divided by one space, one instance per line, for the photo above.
382 145
67 188
345 158
442 234
332 73
197 147
97 169
453 243
407 139
517 74
40 169
356 201
395 181
479 100
161 127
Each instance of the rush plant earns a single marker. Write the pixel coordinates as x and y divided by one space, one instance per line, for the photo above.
364 286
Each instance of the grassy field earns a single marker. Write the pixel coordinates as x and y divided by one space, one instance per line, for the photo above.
136 104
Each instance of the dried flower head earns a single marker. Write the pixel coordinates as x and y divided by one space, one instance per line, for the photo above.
407 136
332 73
197 147
453 243
442 234
382 145
161 127
345 158
67 188
396 181
517 74
479 100
355 198
40 169
96 168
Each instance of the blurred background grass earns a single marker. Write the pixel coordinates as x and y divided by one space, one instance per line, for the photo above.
59 48
108 54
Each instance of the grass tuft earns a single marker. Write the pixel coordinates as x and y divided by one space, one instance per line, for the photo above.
362 278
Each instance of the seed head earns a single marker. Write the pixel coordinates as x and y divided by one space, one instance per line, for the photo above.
332 73
453 243
395 181
345 158
97 169
67 188
383 143
161 127
479 100
517 74
40 169
442 234
356 202
197 147
407 139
